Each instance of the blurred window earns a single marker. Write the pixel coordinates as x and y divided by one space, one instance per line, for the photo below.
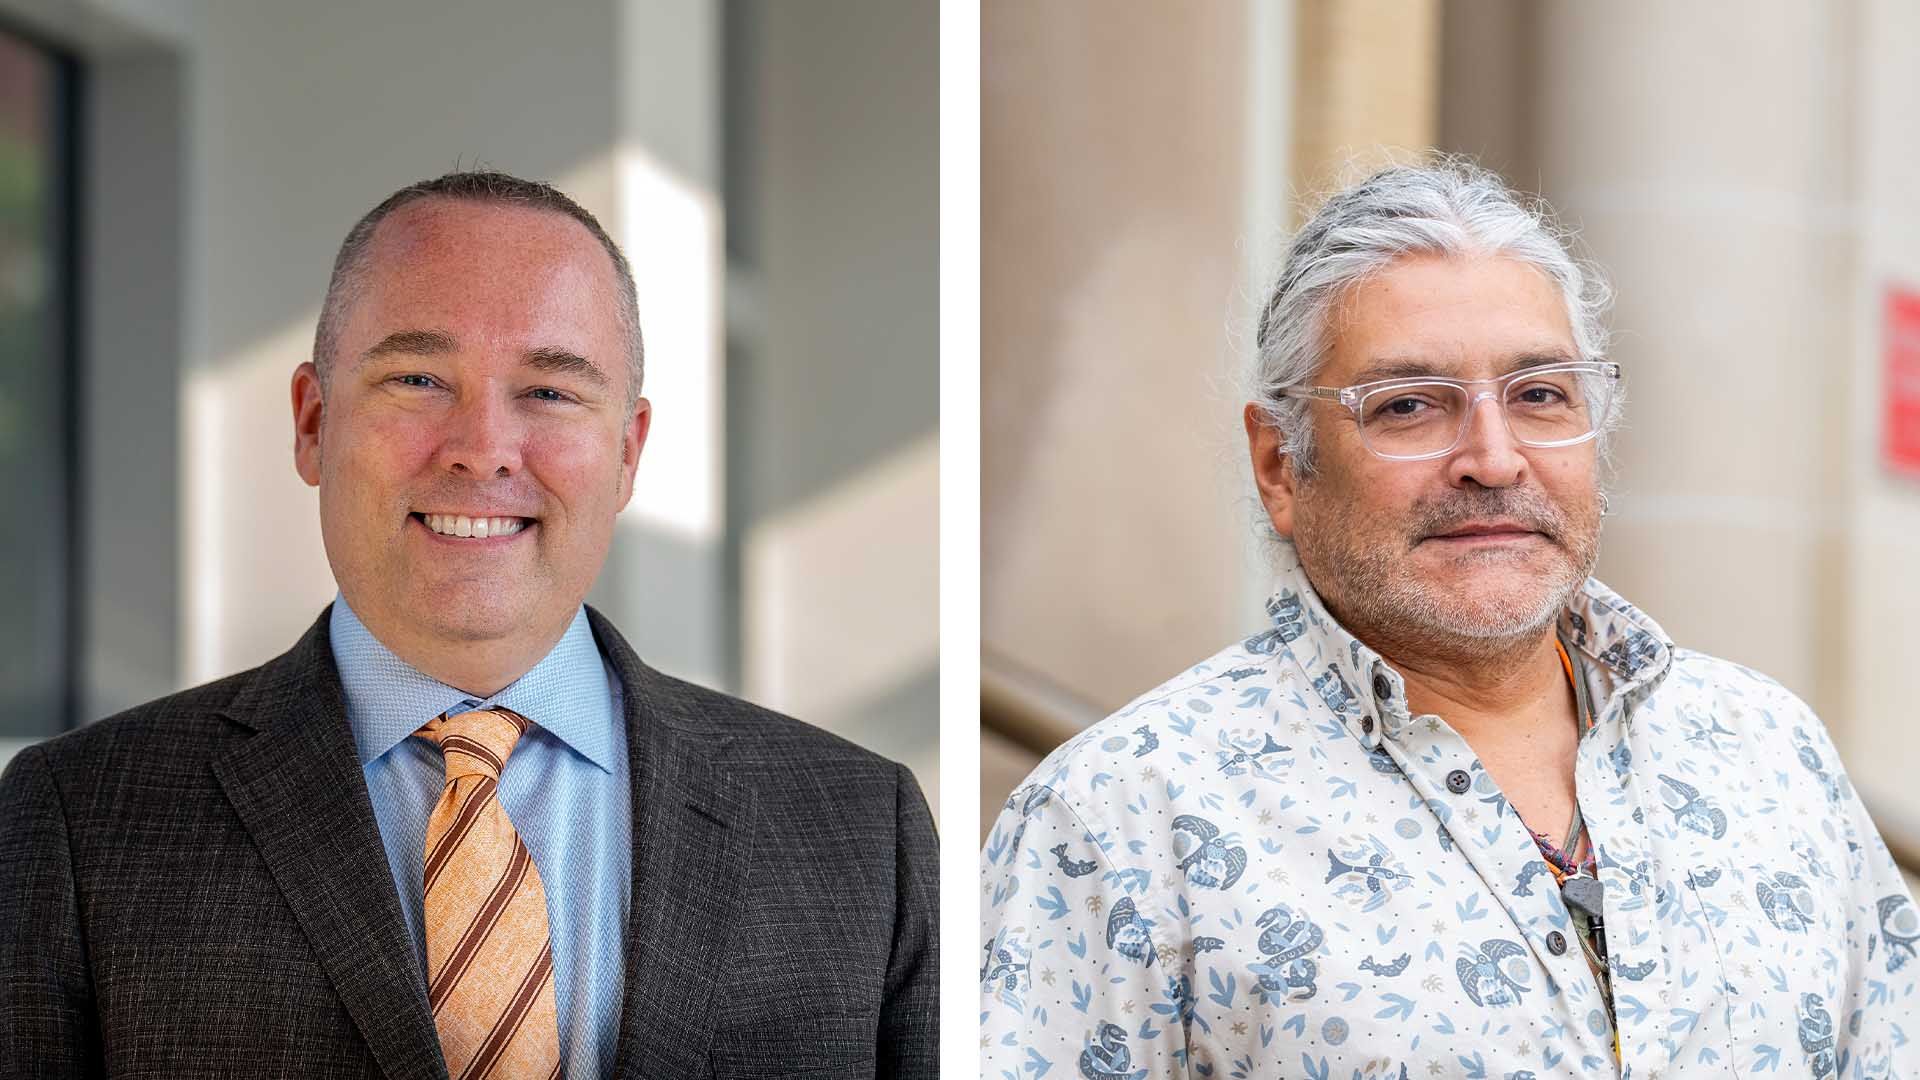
38 384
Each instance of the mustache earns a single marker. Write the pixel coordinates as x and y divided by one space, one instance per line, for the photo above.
1531 509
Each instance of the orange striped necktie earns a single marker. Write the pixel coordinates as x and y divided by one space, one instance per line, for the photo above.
489 959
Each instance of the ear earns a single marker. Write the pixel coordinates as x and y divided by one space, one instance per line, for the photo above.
307 407
1272 470
633 438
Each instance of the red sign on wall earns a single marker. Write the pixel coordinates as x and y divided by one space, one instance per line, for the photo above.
1900 423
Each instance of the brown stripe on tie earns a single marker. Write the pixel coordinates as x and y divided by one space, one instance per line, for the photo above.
508 1025
473 748
519 721
483 923
470 812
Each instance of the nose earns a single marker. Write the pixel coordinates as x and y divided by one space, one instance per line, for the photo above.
482 438
1487 454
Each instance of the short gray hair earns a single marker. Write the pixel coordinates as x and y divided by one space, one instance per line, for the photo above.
350 265
1444 206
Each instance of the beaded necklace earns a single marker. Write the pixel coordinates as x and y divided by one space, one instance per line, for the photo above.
1566 862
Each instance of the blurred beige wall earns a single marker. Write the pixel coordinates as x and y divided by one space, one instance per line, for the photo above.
1111 185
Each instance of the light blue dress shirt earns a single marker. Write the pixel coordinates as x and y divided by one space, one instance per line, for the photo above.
565 788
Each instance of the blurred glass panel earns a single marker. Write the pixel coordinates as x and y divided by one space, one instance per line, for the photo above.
35 380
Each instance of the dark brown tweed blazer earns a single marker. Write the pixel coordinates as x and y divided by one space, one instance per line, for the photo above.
196 887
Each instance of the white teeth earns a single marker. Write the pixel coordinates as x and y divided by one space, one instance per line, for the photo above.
478 528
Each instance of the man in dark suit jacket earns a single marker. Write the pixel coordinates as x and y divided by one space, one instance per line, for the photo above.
210 884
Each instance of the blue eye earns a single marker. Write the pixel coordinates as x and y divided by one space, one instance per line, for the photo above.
425 380
555 394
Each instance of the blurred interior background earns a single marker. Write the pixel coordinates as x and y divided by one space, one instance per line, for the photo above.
175 176
1744 172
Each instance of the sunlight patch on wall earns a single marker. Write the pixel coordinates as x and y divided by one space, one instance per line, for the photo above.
670 231
842 591
254 572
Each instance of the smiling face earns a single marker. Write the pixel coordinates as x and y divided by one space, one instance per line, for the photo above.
481 375
1484 544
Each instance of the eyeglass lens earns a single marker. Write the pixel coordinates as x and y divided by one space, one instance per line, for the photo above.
1545 409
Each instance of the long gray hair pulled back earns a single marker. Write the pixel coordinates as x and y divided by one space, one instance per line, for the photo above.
1446 206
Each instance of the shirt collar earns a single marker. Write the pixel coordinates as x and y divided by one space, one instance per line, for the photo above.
567 694
1630 652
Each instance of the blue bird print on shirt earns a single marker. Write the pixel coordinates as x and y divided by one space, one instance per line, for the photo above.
1006 963
1128 932
1149 742
1106 1056
1212 861
1691 809
1900 925
1367 859
1240 754
1786 901
1493 974
1708 731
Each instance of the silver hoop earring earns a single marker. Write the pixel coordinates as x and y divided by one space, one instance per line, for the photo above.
1605 508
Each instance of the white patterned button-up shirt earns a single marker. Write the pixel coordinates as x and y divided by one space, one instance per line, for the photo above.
1267 868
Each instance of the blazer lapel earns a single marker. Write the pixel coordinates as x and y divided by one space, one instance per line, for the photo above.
299 790
692 841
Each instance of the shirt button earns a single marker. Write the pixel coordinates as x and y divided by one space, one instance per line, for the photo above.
1457 781
1381 687
1556 942
1366 724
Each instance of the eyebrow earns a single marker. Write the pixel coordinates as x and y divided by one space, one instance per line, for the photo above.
412 343
549 359
561 362
1411 368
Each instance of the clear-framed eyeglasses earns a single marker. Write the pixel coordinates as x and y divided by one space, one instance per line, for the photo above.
1415 419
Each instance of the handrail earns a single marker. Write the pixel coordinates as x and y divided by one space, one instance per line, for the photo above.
1900 830
1028 708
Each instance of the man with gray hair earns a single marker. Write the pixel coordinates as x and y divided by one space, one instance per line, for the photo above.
460 828
1460 809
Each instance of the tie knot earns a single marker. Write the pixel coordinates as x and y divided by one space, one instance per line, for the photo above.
476 743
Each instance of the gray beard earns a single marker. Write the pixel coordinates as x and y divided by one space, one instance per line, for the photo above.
1374 594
